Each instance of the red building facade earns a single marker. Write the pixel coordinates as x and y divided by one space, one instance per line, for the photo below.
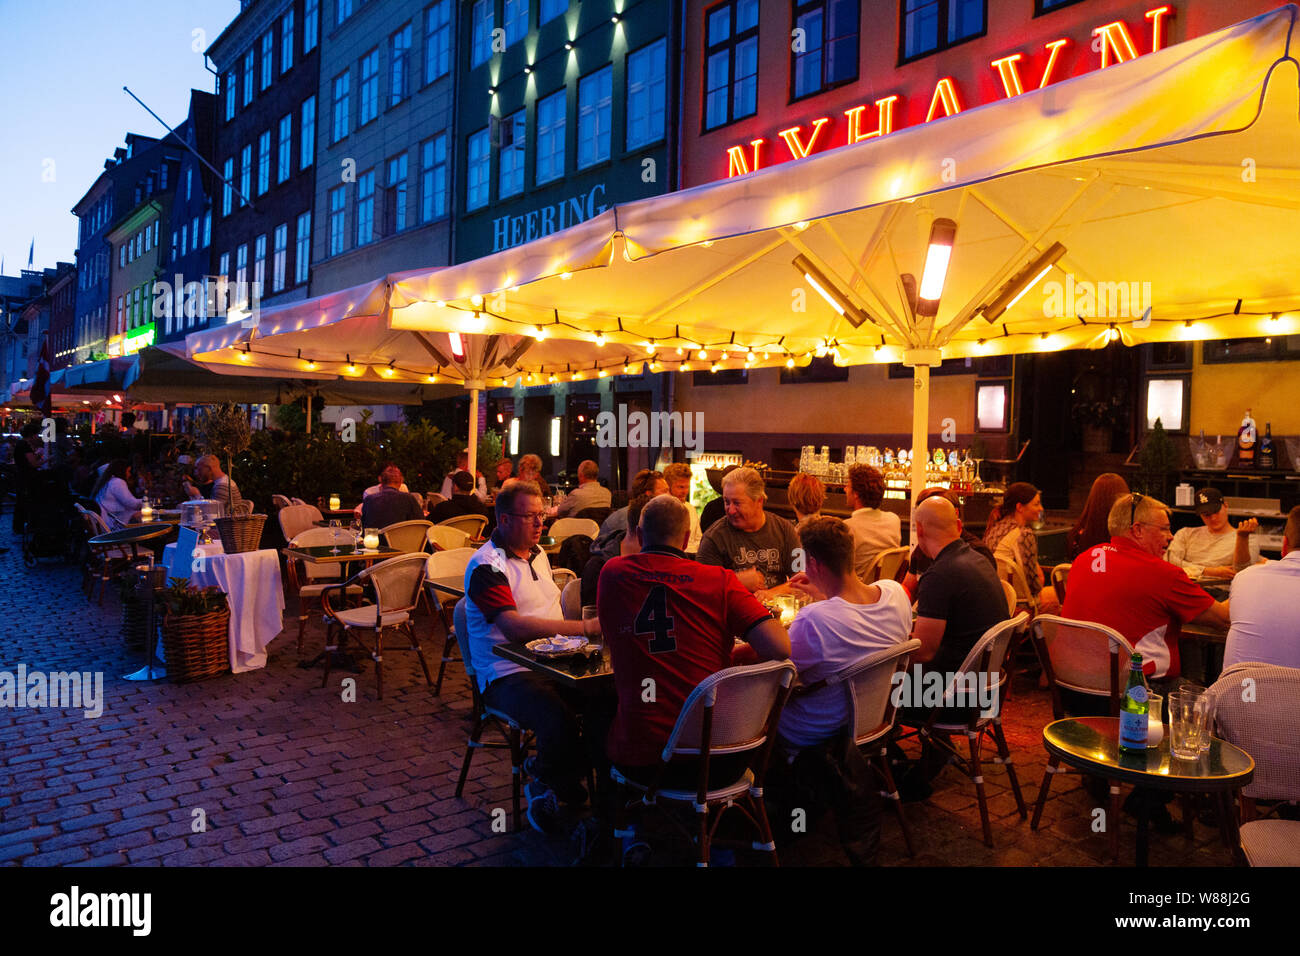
766 83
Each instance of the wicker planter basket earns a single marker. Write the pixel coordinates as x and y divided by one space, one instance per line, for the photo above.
197 646
240 533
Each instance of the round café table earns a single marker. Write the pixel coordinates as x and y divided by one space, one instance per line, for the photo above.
1091 744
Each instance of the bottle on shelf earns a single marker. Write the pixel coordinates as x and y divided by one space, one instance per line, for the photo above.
1246 440
1267 455
1133 710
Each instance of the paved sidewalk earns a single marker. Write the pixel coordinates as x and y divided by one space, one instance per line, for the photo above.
269 768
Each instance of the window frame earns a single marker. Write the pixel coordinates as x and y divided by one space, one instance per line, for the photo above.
340 117
608 68
731 44
429 187
263 162
1040 10
433 56
279 257
338 213
307 134
628 145
800 8
367 84
284 159
302 243
267 74
365 207
943 43
399 65
518 120
310 18
489 24
563 94
286 41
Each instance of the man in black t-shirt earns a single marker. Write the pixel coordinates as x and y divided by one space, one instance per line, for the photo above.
462 502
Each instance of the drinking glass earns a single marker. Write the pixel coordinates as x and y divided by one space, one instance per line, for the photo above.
355 528
1199 691
1155 728
589 614
1188 713
335 528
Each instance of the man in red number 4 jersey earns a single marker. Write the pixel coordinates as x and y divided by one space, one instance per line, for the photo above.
670 622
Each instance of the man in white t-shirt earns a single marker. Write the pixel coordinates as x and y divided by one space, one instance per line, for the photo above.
1216 549
873 530
1265 607
678 476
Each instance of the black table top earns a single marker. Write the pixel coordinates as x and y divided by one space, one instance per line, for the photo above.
1092 744
584 673
133 534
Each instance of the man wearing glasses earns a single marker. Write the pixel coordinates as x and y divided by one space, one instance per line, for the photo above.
512 598
1127 585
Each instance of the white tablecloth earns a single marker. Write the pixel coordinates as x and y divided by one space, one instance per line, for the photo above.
251 581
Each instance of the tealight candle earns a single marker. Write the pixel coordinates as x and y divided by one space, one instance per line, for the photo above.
146 512
371 539
335 504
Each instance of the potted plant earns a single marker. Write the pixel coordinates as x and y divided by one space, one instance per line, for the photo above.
223 430
196 625
1157 463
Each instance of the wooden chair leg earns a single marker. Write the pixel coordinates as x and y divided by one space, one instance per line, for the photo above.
378 657
331 649
1113 822
702 814
474 736
415 646
1052 764
1005 754
891 793
977 774
764 827
516 773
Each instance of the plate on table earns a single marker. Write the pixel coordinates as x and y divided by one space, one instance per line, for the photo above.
558 646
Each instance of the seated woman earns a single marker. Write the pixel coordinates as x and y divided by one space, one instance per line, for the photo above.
806 495
1091 530
113 495
1011 539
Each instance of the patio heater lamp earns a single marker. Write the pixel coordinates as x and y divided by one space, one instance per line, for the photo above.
828 291
457 346
943 233
1024 280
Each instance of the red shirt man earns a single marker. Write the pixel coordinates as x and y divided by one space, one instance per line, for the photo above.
1128 586
672 621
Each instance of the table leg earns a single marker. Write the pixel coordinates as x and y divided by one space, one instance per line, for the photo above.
1228 820
1143 817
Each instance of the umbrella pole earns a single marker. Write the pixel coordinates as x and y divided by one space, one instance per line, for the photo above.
920 432
309 400
473 433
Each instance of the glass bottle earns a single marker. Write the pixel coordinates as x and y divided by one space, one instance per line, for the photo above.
1267 456
1246 438
1133 710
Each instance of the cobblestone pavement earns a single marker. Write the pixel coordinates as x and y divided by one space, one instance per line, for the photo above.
286 773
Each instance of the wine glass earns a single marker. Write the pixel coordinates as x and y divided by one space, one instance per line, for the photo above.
356 532
335 528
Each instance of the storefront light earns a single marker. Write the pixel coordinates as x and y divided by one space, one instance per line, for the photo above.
514 434
555 438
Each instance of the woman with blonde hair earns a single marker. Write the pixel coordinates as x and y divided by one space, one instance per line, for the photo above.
806 495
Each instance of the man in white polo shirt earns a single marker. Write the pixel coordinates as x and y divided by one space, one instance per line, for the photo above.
1265 607
510 597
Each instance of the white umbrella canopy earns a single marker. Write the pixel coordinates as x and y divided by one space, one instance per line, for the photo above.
1172 180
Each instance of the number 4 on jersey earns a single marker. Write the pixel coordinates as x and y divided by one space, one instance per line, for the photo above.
653 618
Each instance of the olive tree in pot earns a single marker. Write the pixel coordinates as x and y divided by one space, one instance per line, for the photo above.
223 430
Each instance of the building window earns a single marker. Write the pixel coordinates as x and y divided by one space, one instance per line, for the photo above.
245 173
338 212
399 53
121 256
227 189
825 54
595 107
307 151
437 40
302 250
224 267
189 182
232 84
433 178
207 229
369 87
285 160
184 241
366 207
647 83
343 10
310 21
121 317
930 25
550 136
248 77
483 19
731 62
395 197
516 17
342 101
194 233
268 57
510 161
241 265
264 162
478 169
281 255
1047 6
550 9
259 264
286 41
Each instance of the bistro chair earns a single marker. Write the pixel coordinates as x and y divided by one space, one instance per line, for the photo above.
1060 575
734 711
1088 659
597 515
431 499
1271 842
409 537
869 685
102 560
1010 592
571 600
1012 571
280 501
889 564
298 518
244 507
443 538
472 525
298 501
397 584
515 738
1266 726
567 527
562 576
984 670
308 579
445 564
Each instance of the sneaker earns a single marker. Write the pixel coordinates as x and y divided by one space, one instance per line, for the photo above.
636 853
575 794
543 808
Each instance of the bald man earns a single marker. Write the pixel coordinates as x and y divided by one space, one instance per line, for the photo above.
959 597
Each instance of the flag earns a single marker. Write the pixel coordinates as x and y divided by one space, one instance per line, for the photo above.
40 393
31 253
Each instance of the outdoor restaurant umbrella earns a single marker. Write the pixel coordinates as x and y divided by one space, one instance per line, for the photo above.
1177 171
